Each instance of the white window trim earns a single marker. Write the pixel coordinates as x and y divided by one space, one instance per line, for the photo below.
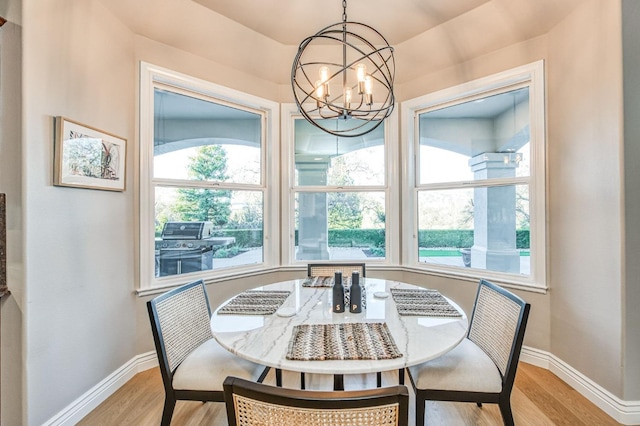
533 73
151 75
289 113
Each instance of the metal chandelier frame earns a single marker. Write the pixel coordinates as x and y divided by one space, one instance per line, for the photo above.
353 105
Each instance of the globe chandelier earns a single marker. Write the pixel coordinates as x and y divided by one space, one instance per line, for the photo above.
350 92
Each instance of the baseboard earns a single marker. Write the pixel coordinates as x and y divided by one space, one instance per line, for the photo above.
625 412
86 403
535 357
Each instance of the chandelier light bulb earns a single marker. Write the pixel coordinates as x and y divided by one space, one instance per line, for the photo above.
324 74
319 93
361 73
368 90
324 79
368 85
347 97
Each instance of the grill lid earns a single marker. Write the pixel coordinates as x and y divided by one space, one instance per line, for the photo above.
187 230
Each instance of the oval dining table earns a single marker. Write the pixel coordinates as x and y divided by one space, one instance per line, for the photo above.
264 339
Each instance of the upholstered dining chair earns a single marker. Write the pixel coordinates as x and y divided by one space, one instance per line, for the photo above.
192 364
482 368
256 404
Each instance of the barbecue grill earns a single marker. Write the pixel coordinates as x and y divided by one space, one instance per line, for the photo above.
187 247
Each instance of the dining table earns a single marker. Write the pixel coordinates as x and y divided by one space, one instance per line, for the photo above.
291 325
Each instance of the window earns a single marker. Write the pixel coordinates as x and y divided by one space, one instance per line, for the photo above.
339 200
478 178
207 185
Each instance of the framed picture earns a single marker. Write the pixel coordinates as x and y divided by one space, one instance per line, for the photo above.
86 157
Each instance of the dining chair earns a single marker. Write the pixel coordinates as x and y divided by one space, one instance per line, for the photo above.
256 404
328 270
192 364
482 368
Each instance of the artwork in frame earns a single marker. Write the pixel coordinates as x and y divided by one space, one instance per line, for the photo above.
86 157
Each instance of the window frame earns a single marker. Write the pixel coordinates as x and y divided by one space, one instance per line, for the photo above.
531 75
290 113
152 76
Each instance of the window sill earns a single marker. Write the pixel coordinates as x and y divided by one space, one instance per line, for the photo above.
476 275
148 291
159 289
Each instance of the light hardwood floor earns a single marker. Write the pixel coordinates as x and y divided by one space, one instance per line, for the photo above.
539 398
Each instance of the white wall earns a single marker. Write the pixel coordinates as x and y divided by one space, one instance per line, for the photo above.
585 190
631 63
79 320
12 306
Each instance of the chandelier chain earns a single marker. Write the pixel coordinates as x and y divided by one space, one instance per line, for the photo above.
344 10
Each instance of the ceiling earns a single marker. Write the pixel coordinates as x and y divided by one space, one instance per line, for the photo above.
289 21
427 35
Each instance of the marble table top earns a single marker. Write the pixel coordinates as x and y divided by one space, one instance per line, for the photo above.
264 339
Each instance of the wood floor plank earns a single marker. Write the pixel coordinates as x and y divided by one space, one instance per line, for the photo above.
546 400
567 397
526 412
539 398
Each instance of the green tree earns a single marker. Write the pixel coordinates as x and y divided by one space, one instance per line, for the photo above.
344 208
200 204
250 217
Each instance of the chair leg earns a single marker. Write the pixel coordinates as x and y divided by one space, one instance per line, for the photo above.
338 382
507 415
278 377
401 376
167 412
302 381
263 375
379 379
419 411
479 404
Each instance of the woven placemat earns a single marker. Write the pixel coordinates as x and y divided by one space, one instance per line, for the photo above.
318 282
355 341
328 281
255 302
424 303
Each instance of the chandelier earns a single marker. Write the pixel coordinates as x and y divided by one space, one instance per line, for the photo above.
353 84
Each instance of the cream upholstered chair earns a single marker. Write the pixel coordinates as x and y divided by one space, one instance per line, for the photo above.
256 404
193 365
482 368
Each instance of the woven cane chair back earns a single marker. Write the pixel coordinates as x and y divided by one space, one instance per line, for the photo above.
254 404
494 324
183 321
328 270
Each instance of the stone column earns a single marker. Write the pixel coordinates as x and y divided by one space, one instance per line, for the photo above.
494 215
313 227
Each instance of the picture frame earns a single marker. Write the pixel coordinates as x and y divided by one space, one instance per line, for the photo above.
86 157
